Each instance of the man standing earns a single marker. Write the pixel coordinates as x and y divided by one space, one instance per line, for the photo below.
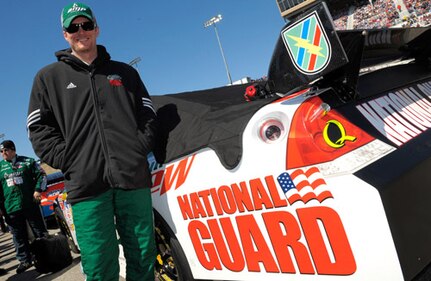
3 226
22 181
92 117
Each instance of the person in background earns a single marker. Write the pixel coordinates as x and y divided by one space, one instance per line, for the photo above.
3 227
93 118
22 181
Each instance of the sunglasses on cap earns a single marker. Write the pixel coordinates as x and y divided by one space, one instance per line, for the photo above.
86 26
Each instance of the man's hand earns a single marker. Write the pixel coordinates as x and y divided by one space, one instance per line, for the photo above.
37 196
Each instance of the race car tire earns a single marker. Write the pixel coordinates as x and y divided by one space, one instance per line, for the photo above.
184 272
171 261
61 221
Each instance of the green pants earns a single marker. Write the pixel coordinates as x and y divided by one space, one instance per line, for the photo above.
130 213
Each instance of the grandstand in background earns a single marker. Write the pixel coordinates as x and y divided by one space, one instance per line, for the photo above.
369 14
289 7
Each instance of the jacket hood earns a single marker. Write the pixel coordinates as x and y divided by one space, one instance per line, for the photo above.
66 56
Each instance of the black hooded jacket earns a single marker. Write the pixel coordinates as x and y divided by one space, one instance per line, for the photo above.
94 122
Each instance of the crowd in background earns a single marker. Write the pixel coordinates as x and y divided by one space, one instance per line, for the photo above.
340 18
383 13
418 7
420 13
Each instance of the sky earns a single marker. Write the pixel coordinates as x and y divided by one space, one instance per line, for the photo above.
178 54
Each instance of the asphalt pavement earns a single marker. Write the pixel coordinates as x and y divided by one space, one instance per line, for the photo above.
10 263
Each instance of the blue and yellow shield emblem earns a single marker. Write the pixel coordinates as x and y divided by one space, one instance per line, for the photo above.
308 45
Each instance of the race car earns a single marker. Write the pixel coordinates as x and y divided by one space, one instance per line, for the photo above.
56 209
54 187
322 171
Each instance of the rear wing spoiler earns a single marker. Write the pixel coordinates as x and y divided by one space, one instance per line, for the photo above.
310 52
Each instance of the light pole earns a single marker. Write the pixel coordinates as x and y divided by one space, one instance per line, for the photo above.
134 62
213 21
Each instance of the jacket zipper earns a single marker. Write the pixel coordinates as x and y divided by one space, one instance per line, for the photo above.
100 128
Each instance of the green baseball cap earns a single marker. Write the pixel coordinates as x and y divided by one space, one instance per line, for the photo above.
71 11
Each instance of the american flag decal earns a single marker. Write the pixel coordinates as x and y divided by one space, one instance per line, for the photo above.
304 186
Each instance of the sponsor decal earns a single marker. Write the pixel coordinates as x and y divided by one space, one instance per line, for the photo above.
342 137
76 8
13 174
51 193
269 232
67 212
319 135
115 80
171 176
401 115
308 45
282 223
302 186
